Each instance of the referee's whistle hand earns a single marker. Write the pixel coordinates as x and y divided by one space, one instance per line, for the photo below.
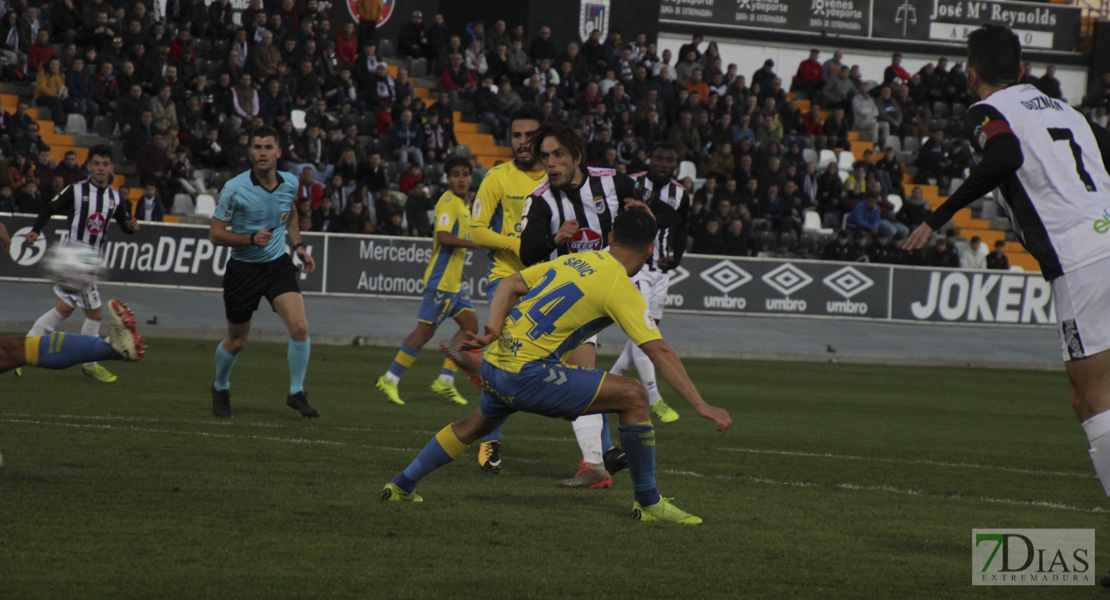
263 237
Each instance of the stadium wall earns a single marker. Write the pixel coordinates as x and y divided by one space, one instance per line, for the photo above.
749 57
181 256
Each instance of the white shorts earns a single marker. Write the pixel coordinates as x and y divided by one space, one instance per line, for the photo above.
1082 305
653 285
88 299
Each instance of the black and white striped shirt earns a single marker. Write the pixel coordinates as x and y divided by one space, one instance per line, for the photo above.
594 204
671 206
88 209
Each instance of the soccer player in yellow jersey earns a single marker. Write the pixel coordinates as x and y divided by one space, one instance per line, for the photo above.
444 295
495 224
536 319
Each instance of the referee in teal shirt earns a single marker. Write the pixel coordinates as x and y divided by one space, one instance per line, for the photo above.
253 215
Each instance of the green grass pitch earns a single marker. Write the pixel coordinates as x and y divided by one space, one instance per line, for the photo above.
836 481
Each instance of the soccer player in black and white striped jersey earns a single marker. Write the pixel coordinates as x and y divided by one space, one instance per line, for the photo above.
88 206
572 212
1053 168
670 204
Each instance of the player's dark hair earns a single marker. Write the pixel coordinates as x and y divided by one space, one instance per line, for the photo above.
634 229
263 131
995 53
102 150
567 138
666 146
457 161
528 111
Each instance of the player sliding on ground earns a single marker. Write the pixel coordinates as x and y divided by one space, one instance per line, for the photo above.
444 295
537 317
63 350
1053 168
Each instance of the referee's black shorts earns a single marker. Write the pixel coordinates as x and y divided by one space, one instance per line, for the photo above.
246 283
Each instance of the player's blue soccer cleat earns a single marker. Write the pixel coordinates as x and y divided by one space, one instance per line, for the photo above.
392 493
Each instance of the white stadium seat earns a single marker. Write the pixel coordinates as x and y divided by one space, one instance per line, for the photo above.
846 159
810 155
687 169
827 156
76 125
182 204
298 118
812 224
206 206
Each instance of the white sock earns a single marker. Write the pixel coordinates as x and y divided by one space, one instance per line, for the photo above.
624 361
646 370
587 428
444 377
90 327
392 377
1097 429
47 323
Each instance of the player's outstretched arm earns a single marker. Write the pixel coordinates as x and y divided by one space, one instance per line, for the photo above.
668 363
508 293
453 241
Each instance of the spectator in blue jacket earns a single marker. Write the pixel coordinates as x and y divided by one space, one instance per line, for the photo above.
407 140
866 216
81 98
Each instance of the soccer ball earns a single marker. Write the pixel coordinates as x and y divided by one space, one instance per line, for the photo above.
73 266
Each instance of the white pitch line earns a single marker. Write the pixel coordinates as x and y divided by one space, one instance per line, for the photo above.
757 480
905 461
891 490
237 423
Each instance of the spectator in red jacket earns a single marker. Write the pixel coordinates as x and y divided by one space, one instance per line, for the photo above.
895 75
41 51
346 44
810 76
457 81
309 192
183 40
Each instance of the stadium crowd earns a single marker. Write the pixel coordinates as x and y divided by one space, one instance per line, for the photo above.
179 91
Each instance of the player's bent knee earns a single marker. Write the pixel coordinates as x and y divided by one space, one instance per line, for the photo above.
299 331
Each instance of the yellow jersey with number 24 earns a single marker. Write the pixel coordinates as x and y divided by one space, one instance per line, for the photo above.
569 300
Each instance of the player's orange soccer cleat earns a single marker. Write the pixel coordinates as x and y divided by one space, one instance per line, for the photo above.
468 361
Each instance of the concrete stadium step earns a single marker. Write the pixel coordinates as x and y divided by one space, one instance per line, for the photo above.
474 139
965 219
1024 260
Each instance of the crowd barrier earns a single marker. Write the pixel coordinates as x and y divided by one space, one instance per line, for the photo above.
181 256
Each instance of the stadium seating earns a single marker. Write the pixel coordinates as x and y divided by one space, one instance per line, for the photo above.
206 206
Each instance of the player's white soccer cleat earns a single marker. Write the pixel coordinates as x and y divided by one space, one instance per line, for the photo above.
125 337
588 476
469 363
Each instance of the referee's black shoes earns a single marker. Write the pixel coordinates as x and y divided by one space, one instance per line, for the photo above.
221 403
300 403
